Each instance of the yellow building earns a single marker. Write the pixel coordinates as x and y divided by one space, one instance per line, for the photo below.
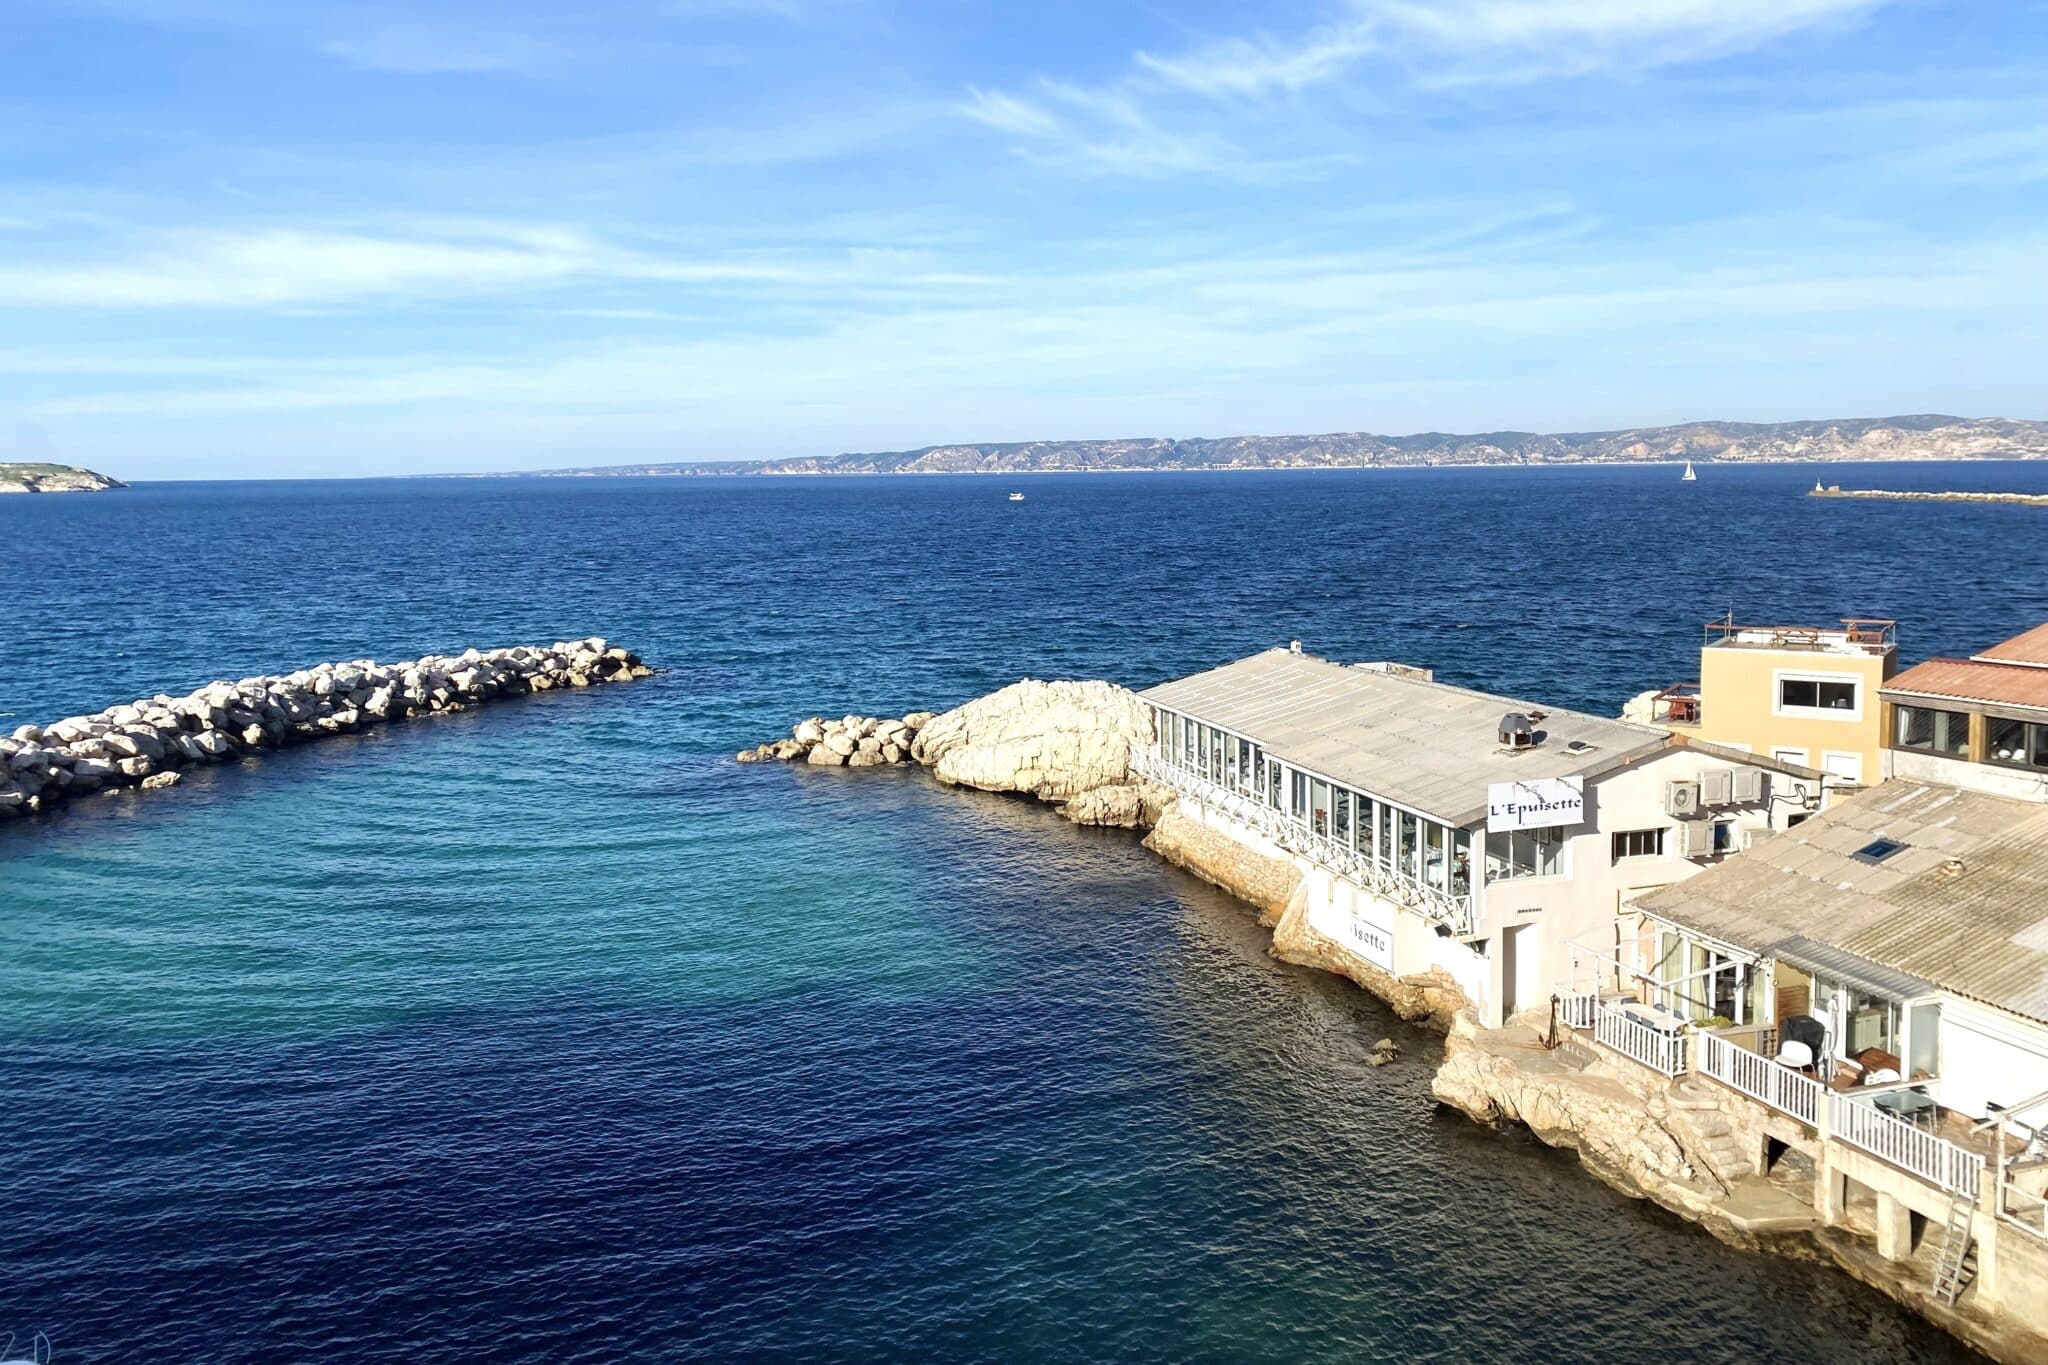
1800 694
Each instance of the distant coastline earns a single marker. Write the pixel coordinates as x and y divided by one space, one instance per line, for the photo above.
1925 437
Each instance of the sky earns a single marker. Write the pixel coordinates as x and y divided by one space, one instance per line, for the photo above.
313 238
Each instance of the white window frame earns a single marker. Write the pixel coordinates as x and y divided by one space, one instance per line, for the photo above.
1663 840
1854 759
1779 677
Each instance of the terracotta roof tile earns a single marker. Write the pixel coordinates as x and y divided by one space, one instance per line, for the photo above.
1970 680
2028 647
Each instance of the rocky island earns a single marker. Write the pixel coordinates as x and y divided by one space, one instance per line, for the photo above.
52 478
147 743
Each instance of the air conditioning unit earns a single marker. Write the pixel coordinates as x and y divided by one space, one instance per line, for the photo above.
1696 839
1717 787
1752 835
1682 799
1749 786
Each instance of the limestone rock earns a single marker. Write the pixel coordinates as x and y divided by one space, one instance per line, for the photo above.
161 780
1052 740
825 756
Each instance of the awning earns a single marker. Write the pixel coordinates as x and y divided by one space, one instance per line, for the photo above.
1825 960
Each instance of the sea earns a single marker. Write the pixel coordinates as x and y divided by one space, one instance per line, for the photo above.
548 1032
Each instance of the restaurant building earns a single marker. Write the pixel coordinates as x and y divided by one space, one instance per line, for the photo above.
1449 831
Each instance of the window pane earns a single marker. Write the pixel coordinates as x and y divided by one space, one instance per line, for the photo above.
1915 728
1340 817
1435 865
1461 863
1411 846
1798 692
1499 865
1952 732
1319 806
1837 696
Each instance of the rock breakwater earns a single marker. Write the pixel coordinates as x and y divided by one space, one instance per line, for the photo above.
1066 743
146 743
2019 499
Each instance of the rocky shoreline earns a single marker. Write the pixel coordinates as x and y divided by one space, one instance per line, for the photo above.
147 743
1066 743
1681 1146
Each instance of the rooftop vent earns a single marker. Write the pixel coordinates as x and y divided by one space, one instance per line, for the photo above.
1877 850
1294 646
1579 746
1516 732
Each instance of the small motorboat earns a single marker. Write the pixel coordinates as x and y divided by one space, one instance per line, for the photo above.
1016 497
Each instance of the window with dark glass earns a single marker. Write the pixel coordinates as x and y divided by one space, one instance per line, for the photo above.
1817 694
1638 843
2021 743
1936 731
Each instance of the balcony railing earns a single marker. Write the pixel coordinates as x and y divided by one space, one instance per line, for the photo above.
1662 1050
1452 910
1760 1078
1855 1121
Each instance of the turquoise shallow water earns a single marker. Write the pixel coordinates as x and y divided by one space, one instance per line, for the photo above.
547 1030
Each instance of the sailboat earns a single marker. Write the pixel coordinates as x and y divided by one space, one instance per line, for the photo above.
1688 476
1016 497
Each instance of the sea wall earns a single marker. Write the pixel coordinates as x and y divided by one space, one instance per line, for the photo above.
146 743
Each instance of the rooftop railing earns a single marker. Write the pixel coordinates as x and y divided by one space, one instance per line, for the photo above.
1871 634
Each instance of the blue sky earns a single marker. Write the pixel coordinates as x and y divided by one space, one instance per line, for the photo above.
265 238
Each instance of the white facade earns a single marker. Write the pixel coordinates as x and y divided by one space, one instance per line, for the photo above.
1510 939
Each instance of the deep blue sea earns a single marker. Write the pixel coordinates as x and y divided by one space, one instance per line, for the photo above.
548 1032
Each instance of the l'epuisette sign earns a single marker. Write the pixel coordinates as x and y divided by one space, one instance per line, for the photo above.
1537 803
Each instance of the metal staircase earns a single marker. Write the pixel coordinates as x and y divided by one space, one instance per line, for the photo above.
1955 1249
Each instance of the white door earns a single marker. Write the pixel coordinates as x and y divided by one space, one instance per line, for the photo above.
1521 968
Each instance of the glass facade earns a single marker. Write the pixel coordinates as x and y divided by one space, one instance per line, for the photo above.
1425 852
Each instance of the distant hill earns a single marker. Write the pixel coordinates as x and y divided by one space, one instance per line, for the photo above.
1926 437
52 478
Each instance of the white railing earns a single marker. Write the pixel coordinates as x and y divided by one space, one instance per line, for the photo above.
1636 1039
1913 1150
1453 910
1760 1078
2021 1209
1855 1121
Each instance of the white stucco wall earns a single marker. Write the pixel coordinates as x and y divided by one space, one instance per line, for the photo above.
1988 1055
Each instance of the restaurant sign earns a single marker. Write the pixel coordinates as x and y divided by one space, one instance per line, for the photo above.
1537 803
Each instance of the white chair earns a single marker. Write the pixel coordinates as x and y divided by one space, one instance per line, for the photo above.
1796 1055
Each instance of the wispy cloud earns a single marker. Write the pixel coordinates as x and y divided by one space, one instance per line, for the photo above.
275 268
1141 123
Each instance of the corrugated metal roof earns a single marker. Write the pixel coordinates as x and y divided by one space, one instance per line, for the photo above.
1425 745
1969 680
2028 647
1981 932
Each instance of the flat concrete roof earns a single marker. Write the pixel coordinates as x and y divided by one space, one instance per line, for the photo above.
1426 745
1980 930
